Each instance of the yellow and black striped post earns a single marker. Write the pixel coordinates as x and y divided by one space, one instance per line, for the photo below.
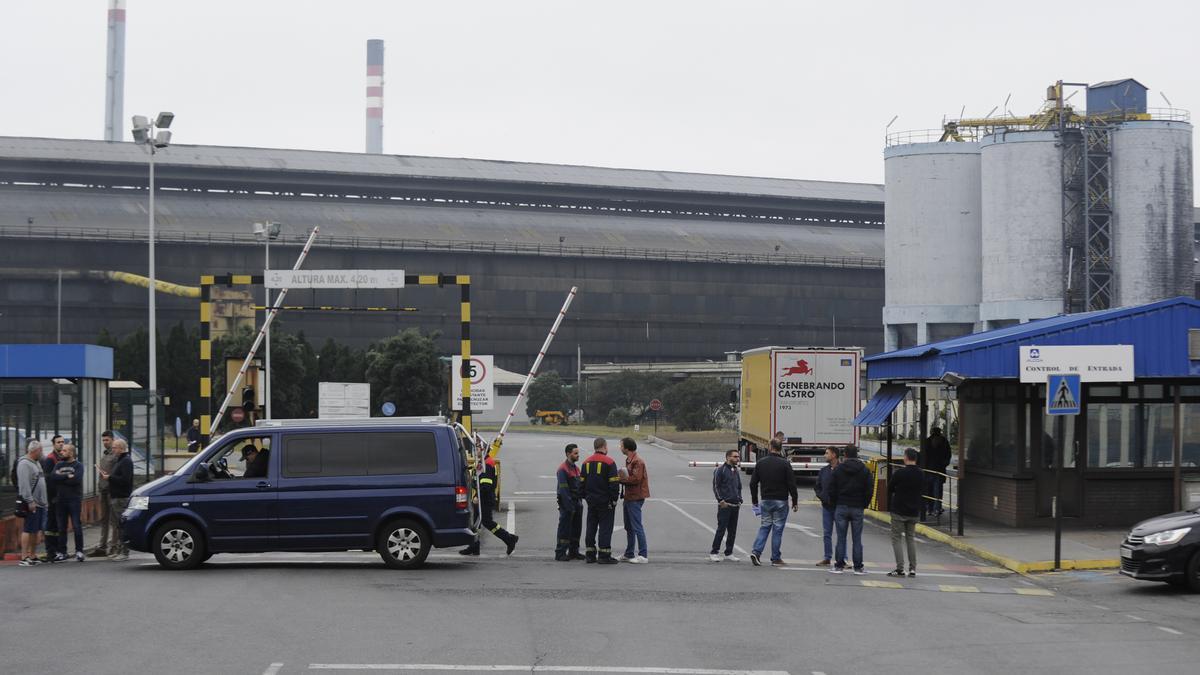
463 281
207 281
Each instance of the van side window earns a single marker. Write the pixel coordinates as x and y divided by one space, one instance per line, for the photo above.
359 454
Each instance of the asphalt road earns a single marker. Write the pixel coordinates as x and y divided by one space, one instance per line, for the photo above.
678 615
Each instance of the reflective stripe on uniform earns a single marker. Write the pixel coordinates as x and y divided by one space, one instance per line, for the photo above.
487 481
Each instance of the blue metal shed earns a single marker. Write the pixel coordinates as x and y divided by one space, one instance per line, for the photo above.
1158 332
1116 96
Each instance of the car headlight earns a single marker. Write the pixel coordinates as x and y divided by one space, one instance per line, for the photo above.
140 503
1167 536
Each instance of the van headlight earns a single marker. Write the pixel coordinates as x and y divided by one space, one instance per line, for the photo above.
1167 537
139 503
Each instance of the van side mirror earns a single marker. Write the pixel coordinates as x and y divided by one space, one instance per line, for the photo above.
201 475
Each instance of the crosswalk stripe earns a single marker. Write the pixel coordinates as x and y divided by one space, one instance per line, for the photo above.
947 588
880 584
1033 591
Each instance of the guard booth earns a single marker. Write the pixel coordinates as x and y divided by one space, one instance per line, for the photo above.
1132 452
47 390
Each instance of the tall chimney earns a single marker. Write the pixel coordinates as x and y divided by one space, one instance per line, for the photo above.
375 97
114 90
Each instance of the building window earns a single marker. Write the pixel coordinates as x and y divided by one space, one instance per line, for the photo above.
1112 436
991 417
1140 435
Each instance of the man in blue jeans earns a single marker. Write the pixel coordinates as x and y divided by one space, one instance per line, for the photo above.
774 474
822 487
637 490
850 493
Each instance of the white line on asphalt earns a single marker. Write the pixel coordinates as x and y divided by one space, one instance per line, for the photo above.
679 475
539 669
805 529
1172 631
701 523
818 672
545 476
1135 618
273 669
940 575
512 516
1100 607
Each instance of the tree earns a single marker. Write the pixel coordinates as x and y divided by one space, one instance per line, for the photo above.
628 389
288 364
179 372
696 403
405 369
546 392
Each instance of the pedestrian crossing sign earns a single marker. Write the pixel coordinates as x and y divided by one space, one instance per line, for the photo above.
1062 394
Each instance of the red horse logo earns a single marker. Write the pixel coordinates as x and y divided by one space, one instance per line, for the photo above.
801 368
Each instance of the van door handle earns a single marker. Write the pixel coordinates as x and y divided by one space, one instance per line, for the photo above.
262 484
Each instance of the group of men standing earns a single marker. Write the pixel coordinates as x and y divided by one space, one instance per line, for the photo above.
602 485
50 486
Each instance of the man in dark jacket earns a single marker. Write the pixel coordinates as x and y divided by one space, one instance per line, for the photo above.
601 490
487 501
774 474
120 486
822 487
935 459
904 501
727 489
56 547
850 493
570 507
67 480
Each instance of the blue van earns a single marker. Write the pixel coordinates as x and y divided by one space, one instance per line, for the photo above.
396 486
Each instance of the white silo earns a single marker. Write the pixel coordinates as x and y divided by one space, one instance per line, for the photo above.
931 241
1022 264
1153 231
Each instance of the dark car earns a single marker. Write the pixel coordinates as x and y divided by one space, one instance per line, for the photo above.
396 487
1166 548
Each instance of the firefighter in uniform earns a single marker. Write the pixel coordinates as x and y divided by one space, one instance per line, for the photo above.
601 491
487 500
570 507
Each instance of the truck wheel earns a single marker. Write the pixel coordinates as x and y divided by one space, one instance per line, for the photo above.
179 545
403 544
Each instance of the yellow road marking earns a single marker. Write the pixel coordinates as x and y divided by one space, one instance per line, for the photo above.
880 584
1033 591
957 589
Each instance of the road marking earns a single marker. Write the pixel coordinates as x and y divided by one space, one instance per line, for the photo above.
1100 607
1172 631
805 529
1134 618
880 584
701 523
947 588
679 475
273 669
512 516
545 476
1034 591
539 669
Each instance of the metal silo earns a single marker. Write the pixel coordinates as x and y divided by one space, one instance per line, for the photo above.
931 241
1152 211
1022 252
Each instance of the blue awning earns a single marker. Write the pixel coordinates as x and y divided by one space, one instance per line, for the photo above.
880 407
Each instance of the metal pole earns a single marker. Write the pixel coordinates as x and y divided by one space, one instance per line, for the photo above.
59 333
533 371
267 353
237 381
153 313
1178 451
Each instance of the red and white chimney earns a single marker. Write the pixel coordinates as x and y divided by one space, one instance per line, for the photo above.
114 73
375 97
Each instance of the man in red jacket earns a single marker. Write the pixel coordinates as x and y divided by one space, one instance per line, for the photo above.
637 491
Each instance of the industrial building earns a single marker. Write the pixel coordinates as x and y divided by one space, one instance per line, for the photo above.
1005 219
670 266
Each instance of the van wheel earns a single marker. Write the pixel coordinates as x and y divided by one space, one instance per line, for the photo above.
179 545
403 544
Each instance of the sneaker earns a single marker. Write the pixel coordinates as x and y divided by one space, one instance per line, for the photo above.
824 563
627 558
896 573
732 558
79 557
29 562
512 544
120 557
778 563
714 557
912 572
59 557
640 560
860 571
837 569
98 552
754 559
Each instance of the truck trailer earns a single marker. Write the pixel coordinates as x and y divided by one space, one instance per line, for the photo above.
810 394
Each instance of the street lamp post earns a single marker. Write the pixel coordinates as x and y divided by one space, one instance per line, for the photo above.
268 231
152 135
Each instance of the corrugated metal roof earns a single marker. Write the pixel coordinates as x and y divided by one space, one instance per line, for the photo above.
1158 332
881 405
275 159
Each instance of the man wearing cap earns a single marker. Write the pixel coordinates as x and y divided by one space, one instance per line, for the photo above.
256 461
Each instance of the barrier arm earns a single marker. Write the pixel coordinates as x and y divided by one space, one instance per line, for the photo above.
237 381
537 363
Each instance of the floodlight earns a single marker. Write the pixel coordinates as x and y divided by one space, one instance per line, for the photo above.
162 139
273 230
259 229
164 120
953 379
141 135
140 122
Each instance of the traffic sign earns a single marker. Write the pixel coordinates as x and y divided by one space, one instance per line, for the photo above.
656 405
237 415
334 278
482 373
1062 394
389 409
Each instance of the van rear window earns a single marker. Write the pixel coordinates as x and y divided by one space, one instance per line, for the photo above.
360 454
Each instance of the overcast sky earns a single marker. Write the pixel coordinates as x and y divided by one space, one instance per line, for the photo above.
764 88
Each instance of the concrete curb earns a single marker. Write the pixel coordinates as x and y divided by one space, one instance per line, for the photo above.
699 447
1018 566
